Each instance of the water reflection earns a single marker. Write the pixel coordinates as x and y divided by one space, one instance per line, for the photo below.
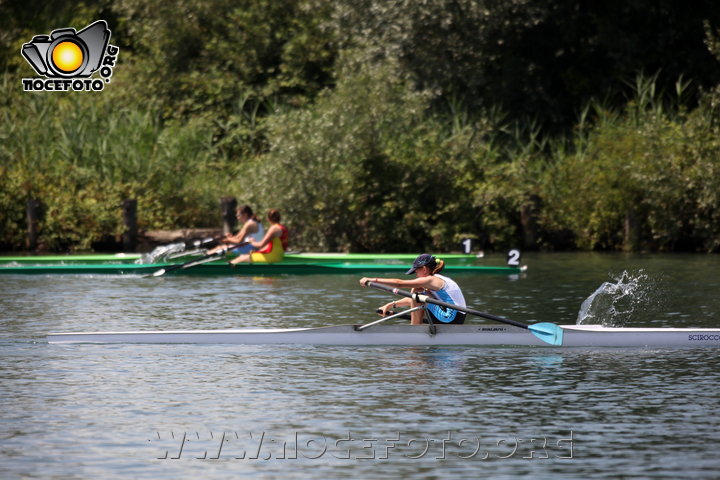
93 408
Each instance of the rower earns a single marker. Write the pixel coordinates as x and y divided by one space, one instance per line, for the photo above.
273 245
428 281
251 230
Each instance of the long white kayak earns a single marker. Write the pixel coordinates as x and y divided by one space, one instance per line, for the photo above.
481 335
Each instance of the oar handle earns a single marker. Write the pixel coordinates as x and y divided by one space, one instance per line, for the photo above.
426 299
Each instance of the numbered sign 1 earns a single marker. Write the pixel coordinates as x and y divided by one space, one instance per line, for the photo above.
467 245
513 257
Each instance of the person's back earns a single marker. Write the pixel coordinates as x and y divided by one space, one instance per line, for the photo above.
256 235
450 293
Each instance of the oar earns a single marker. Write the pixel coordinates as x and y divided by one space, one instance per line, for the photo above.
199 261
199 247
403 314
547 332
186 253
205 241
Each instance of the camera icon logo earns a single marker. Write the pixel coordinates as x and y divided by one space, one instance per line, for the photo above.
68 53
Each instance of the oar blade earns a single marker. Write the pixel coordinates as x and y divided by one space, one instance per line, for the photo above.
548 332
159 273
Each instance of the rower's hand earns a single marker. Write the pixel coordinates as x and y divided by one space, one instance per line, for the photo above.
364 281
384 309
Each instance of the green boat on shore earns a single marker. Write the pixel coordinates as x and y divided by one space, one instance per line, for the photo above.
90 259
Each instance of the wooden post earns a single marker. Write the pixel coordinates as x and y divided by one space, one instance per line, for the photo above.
33 208
228 205
631 231
129 238
528 220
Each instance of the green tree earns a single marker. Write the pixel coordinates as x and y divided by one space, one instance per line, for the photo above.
535 59
200 57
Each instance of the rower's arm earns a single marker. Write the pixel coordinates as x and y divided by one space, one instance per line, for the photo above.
272 232
238 237
420 282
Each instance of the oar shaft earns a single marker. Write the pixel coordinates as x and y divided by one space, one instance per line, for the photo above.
403 314
427 299
198 261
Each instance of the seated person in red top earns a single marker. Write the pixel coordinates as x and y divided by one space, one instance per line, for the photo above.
273 245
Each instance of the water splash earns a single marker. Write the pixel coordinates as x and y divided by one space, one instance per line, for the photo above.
613 304
161 252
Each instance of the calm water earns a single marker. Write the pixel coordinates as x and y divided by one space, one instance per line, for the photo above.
181 411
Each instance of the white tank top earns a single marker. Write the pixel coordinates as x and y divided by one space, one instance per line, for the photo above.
257 236
450 293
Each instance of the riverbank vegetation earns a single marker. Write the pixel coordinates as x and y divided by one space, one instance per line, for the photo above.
377 126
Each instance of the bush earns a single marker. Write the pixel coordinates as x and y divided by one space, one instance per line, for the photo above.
641 179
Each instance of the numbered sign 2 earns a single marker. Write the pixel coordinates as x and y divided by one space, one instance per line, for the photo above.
513 257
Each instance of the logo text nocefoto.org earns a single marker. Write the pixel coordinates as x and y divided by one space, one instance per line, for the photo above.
67 59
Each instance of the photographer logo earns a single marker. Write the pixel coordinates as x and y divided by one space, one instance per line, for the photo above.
67 59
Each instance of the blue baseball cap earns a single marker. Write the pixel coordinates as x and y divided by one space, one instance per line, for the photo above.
422 260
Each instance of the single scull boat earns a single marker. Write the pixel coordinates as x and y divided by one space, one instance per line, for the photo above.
478 335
